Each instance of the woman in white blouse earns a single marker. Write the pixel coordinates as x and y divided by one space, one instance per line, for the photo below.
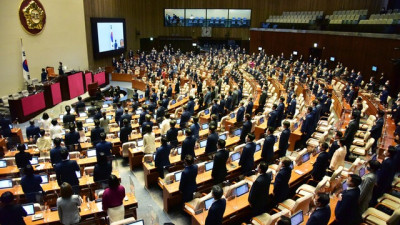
45 122
149 144
338 156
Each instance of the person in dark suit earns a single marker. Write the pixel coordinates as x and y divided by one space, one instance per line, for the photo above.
240 114
321 164
172 134
147 122
188 144
335 143
102 169
267 153
169 91
72 137
247 158
307 126
212 140
147 92
246 129
217 209
125 131
262 100
30 184
177 86
191 105
281 184
384 96
185 117
60 69
228 103
68 118
98 115
80 105
219 170
118 113
160 113
347 208
95 133
376 129
280 111
221 106
284 139
165 102
32 132
142 116
5 125
188 185
44 75
10 213
291 109
272 117
195 128
350 133
259 193
322 213
92 109
207 97
249 107
126 115
22 158
103 146
215 108
55 153
327 105
65 171
162 156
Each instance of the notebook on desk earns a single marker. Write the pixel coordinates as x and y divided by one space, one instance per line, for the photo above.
91 153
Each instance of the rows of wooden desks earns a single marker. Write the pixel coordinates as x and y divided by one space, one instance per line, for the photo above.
90 210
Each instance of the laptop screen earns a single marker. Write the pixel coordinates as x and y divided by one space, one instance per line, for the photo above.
89 120
209 165
180 98
82 114
344 186
232 115
203 143
45 179
237 132
178 121
235 156
208 203
241 190
154 157
30 210
178 176
3 163
6 183
222 136
105 106
61 117
10 126
78 174
147 102
140 96
306 157
258 147
34 160
204 126
373 157
206 111
297 218
179 150
109 117
139 222
140 143
261 120
362 171
91 153
173 102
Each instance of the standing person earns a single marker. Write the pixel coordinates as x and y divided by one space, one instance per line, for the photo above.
68 205
281 185
44 144
217 209
347 208
55 153
104 121
162 156
188 185
103 147
95 133
55 129
219 170
267 153
284 139
247 158
125 132
376 129
350 133
45 121
32 132
112 200
172 134
369 180
259 193
321 164
149 145
102 169
322 213
30 184
212 140
188 144
339 156
66 171
5 125
22 158
71 138
195 128
10 213
246 129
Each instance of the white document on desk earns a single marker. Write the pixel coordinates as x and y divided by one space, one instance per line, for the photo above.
99 206
298 172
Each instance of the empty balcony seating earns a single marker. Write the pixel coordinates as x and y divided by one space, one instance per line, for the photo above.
304 17
347 16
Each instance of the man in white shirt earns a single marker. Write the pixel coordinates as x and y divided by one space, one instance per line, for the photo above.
55 130
165 124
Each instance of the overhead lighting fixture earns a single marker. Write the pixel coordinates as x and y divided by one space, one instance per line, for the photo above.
259 48
194 44
315 45
151 38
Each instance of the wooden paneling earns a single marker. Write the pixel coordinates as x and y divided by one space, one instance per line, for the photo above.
360 53
145 18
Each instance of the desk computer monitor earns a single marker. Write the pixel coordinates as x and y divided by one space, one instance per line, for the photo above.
374 68
295 126
204 126
173 102
241 190
235 156
222 136
180 98
91 153
61 117
297 218
109 117
208 166
138 111
45 179
179 150
138 222
147 102
294 52
305 157
362 171
261 121
373 157
140 96
10 126
140 143
89 120
178 176
34 161
178 121
232 115
203 143
291 165
208 203
206 111
258 147
154 156
78 174
105 106
332 59
237 132
3 163
82 114
30 210
344 185
6 183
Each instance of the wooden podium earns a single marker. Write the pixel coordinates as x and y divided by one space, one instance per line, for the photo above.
92 88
